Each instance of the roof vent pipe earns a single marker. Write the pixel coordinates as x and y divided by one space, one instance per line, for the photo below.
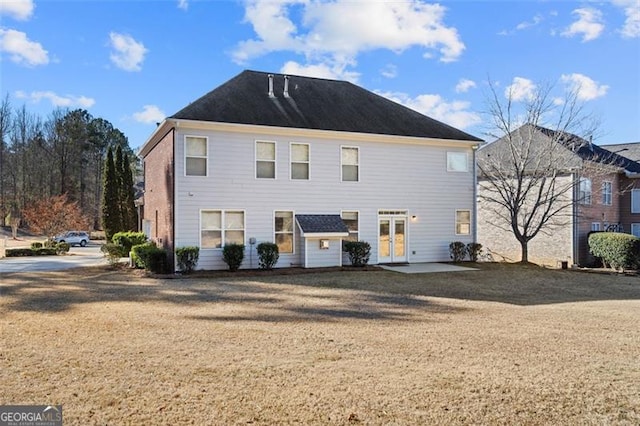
271 94
286 86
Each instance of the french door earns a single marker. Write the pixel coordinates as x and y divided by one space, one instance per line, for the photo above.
392 239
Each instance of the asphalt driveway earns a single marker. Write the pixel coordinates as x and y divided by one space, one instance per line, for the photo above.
77 257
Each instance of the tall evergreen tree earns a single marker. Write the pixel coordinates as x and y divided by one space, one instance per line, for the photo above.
119 163
130 218
111 218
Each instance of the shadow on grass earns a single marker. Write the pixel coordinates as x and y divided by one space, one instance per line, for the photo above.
222 298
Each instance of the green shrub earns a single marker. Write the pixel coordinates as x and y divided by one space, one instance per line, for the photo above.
36 245
50 243
268 254
20 252
358 251
62 248
457 251
474 250
149 257
233 255
113 252
187 258
617 250
128 239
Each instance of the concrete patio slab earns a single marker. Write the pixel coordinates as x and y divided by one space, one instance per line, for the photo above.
424 268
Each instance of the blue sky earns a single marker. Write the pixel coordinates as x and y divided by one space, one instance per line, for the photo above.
135 62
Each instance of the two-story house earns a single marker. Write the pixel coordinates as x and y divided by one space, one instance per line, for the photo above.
629 201
597 188
306 163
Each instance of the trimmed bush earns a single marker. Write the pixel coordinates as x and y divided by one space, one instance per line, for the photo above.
24 252
474 250
62 248
113 252
457 251
233 255
617 250
149 257
358 251
187 258
36 245
268 254
128 239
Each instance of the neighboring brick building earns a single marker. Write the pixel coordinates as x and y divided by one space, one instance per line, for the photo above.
602 190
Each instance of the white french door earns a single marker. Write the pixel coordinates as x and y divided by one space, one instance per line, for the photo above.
392 239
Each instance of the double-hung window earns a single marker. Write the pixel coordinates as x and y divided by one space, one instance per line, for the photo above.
300 161
350 218
606 193
265 160
220 227
457 162
283 226
463 222
584 191
635 201
350 160
195 156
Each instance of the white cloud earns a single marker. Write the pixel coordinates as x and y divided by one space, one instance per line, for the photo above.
389 71
464 85
585 88
321 70
631 8
528 24
149 114
127 54
455 113
589 24
183 4
56 100
22 50
17 9
520 89
336 32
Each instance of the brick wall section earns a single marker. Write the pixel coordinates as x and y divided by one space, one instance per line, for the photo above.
159 194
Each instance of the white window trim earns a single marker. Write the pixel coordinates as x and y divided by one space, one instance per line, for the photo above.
358 213
596 226
206 156
291 162
456 221
584 200
293 231
275 159
609 193
635 193
637 225
222 226
466 161
357 148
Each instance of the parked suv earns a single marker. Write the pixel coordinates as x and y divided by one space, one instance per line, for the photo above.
73 237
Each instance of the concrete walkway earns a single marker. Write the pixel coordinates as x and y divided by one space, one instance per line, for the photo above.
423 268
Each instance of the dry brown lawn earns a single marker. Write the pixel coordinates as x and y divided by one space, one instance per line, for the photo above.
503 345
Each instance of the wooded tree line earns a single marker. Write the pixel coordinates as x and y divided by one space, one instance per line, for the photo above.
62 154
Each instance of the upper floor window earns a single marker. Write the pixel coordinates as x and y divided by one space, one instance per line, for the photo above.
350 218
265 160
195 156
350 160
463 222
219 227
457 162
584 191
300 161
635 201
283 226
606 193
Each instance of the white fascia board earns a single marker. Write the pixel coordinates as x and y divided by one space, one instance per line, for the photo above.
324 234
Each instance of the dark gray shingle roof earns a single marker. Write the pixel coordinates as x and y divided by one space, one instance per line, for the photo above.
313 103
321 224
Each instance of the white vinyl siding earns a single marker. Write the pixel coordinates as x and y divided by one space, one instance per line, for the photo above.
584 191
463 222
195 157
283 226
635 201
606 193
265 160
457 162
218 227
350 161
300 161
